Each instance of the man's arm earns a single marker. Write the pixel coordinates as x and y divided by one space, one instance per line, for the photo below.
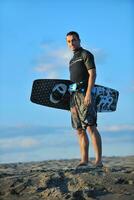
91 82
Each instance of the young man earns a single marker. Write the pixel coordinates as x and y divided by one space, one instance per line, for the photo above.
82 106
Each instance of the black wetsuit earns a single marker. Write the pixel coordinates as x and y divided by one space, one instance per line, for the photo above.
79 65
81 62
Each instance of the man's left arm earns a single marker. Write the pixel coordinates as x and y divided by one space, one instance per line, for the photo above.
91 82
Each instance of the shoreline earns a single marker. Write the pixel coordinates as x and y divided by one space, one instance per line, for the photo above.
61 179
64 159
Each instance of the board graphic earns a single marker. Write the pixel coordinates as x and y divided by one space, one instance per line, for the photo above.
56 93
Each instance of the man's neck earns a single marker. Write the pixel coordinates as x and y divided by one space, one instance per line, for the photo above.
76 50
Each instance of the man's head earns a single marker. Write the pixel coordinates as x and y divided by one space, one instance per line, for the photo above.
73 40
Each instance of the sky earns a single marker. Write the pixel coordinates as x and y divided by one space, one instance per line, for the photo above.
33 46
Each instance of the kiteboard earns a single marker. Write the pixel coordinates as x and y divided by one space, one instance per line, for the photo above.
56 93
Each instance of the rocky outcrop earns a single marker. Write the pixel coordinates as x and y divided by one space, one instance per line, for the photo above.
61 180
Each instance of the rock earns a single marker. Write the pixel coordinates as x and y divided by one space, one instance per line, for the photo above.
131 182
60 180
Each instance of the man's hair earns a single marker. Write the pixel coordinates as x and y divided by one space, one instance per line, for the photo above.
73 33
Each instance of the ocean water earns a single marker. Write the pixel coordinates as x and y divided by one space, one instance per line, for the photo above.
38 143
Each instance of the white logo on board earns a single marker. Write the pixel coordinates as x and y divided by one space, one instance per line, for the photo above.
58 92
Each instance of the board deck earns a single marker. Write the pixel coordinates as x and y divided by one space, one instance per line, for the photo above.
55 93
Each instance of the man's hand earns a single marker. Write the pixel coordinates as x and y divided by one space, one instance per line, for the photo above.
87 99
91 81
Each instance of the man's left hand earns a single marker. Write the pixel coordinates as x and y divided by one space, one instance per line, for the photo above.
87 100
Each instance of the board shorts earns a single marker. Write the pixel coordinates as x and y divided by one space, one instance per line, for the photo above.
82 115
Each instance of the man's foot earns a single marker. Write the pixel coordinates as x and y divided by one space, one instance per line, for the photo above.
97 164
82 164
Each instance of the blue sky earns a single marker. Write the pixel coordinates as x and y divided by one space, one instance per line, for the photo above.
33 46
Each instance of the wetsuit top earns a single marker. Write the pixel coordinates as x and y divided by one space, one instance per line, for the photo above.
79 65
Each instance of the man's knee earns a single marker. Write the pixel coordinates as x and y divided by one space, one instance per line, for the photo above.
80 131
91 129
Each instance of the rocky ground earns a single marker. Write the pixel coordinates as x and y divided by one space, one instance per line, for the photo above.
61 180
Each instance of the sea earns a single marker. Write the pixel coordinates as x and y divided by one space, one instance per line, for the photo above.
39 143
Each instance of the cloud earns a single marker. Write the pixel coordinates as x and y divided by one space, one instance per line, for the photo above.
37 142
28 131
52 60
100 55
116 128
131 87
18 143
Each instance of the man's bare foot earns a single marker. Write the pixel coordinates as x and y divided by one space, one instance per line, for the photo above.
97 163
82 164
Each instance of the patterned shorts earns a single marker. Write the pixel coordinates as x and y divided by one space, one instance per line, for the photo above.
82 115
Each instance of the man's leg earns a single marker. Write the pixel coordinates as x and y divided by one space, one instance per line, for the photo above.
97 143
82 136
84 145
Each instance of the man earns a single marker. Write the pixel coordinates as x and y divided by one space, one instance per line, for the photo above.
82 106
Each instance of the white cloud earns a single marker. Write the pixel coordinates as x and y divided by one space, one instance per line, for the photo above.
52 60
18 143
44 67
116 128
100 55
53 75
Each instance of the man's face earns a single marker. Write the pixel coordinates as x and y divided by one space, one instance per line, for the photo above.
73 42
